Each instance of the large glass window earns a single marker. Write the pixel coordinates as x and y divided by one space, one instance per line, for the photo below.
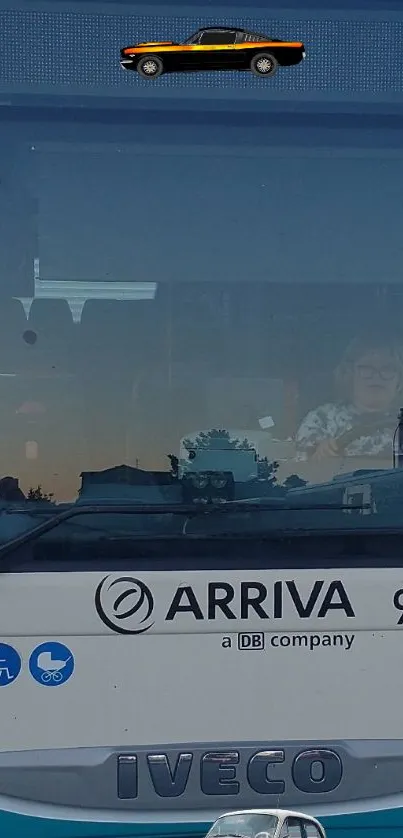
311 830
217 37
210 261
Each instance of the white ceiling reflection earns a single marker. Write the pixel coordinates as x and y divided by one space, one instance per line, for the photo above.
77 292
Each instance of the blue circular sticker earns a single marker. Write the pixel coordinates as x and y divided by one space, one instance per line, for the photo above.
51 664
10 664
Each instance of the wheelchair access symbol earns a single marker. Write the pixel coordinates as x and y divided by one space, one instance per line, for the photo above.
51 664
10 664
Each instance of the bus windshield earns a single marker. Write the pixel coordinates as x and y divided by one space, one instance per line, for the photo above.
201 416
193 285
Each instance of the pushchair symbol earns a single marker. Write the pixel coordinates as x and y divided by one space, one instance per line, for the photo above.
4 670
51 668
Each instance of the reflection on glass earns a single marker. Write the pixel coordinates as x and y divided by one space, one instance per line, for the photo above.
246 825
226 288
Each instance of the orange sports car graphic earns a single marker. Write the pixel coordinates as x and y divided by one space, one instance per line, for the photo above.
213 48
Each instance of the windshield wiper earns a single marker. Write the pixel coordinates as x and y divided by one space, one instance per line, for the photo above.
185 510
231 835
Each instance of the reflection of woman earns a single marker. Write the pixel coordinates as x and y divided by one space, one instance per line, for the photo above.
369 380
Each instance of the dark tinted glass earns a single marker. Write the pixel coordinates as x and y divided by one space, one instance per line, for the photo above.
200 259
218 38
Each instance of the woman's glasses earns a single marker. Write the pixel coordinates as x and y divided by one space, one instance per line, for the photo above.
367 372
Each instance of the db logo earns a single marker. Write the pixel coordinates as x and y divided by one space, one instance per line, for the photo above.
125 604
251 641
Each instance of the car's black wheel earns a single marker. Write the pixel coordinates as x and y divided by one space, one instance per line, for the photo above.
150 67
264 64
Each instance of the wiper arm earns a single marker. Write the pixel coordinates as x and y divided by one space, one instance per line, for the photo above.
186 510
231 835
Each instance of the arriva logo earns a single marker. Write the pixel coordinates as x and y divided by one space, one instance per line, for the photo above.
125 600
126 604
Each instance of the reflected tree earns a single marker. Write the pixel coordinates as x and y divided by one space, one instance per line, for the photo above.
37 494
294 482
217 439
174 465
267 469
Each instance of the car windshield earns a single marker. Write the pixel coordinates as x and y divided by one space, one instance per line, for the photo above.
248 825
201 282
192 38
